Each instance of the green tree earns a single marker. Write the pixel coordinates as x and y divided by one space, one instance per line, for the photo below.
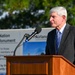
31 13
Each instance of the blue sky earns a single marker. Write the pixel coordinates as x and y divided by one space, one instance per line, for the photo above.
33 48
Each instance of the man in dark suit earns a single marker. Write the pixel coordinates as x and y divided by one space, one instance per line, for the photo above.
66 47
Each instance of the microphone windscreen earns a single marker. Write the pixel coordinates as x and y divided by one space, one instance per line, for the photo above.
38 30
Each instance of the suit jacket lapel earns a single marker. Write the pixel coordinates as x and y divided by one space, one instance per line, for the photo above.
63 39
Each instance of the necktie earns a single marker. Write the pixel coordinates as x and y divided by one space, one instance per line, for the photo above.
58 39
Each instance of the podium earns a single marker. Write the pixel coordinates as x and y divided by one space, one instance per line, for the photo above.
39 65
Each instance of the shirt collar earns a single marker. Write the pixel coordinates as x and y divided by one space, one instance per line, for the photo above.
62 29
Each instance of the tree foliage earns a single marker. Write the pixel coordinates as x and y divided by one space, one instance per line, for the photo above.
31 13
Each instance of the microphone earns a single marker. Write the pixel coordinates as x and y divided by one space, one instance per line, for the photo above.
28 37
36 31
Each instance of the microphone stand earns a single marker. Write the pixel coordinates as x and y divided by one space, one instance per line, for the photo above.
25 36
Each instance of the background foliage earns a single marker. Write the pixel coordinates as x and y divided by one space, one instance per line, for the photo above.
31 13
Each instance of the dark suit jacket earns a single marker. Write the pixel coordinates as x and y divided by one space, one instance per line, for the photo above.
67 44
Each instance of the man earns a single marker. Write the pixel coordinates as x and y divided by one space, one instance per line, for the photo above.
65 45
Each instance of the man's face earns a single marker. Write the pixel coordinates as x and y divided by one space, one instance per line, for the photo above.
56 20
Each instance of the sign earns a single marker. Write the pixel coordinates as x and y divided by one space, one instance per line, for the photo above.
10 38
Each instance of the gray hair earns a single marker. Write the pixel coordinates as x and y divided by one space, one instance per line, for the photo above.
60 11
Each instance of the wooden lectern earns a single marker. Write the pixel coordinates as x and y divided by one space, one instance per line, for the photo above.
39 65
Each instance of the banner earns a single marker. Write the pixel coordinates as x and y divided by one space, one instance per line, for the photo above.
10 38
